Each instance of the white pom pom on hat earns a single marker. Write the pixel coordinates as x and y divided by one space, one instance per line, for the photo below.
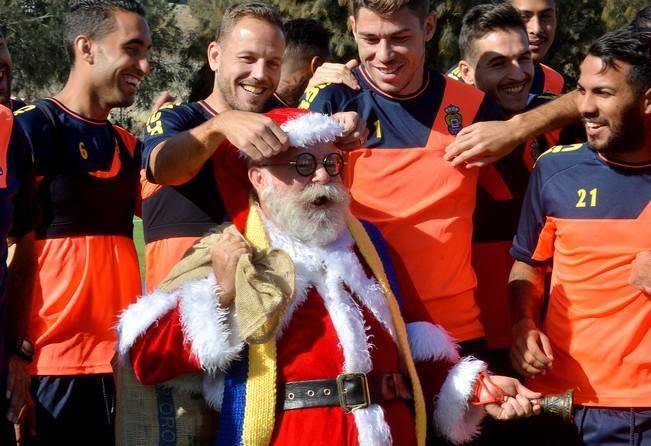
305 128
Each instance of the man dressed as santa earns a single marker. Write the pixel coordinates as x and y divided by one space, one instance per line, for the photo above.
294 319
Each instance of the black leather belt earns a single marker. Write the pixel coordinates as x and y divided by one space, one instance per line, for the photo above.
349 391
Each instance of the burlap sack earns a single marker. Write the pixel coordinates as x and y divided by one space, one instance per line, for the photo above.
264 283
161 415
264 288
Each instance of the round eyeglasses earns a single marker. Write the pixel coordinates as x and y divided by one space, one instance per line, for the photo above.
306 164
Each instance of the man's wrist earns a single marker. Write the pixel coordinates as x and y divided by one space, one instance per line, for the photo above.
518 128
526 322
23 348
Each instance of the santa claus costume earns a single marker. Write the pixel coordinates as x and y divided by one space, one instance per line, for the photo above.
352 362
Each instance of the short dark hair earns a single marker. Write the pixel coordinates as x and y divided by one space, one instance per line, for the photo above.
553 2
306 38
631 45
255 9
643 18
483 19
385 8
93 18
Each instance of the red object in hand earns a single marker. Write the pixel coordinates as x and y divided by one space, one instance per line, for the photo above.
486 391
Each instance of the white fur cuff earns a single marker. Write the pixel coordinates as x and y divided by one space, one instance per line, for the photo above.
210 329
452 415
430 342
139 316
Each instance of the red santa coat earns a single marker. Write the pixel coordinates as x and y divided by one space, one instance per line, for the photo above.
330 329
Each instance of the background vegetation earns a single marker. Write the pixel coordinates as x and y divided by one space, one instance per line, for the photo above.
182 32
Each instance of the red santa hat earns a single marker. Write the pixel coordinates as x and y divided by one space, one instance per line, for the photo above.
304 129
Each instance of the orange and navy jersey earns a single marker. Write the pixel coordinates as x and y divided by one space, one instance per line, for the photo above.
16 103
186 210
590 217
401 183
502 184
499 198
16 206
87 270
88 172
174 217
546 80
275 101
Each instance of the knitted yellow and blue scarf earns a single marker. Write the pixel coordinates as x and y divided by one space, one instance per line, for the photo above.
250 400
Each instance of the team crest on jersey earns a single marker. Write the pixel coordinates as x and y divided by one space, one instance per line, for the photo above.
453 119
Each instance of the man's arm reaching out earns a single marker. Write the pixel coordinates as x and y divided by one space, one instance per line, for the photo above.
178 159
486 142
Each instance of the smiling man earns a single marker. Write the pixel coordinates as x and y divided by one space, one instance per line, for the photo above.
496 59
540 19
495 55
586 214
181 198
400 181
87 194
182 193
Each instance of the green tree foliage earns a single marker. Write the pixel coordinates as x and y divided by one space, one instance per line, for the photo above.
34 33
617 13
178 58
333 14
579 23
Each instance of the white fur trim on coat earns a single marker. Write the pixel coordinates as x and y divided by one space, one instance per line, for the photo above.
210 329
454 417
213 390
139 316
430 342
334 271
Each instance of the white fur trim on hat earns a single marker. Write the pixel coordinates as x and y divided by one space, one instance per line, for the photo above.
454 417
311 128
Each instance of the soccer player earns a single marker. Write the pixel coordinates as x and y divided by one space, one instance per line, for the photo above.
586 213
16 225
400 181
540 18
87 193
496 58
182 194
181 198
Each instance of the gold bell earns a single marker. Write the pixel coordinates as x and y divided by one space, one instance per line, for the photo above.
560 404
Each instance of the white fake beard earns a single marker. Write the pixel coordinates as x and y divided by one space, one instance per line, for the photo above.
295 214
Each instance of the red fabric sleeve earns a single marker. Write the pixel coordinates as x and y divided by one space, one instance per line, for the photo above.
161 353
432 375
